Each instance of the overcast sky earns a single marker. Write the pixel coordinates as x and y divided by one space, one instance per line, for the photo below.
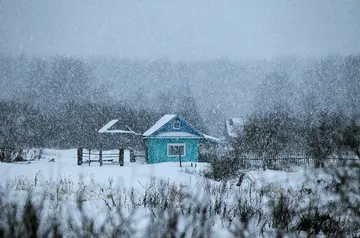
183 29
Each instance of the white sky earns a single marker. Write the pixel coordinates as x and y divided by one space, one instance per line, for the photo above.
180 29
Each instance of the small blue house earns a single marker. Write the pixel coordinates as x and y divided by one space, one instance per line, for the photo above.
170 136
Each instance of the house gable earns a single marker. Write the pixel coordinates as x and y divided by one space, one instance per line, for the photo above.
177 127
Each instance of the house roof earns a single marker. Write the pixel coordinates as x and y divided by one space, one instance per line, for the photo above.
171 134
234 126
160 123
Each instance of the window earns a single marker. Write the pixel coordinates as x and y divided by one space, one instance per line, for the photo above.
176 125
176 149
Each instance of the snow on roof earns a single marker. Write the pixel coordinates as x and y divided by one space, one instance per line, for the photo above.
120 132
105 129
234 126
108 125
212 138
160 123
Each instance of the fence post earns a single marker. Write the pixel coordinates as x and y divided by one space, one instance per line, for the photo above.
2 155
121 157
132 156
89 157
100 157
80 156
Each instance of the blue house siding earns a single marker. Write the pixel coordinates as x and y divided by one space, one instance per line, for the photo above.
164 133
157 150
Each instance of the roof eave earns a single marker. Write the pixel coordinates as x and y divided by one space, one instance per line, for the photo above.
173 137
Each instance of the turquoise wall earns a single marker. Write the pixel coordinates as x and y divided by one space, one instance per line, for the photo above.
157 150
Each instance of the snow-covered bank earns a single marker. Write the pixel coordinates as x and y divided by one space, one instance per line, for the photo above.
152 194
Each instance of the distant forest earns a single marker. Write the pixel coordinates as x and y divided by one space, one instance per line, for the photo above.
63 101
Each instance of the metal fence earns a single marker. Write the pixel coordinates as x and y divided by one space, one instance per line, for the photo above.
282 162
287 160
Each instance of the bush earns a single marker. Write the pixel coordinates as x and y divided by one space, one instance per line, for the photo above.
8 155
282 212
224 168
313 223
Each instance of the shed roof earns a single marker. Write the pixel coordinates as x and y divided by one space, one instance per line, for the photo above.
106 129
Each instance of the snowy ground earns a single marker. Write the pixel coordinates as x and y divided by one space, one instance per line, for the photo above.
65 166
41 175
132 174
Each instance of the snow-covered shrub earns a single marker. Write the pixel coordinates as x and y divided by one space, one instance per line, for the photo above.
8 155
58 190
223 168
19 183
313 222
323 136
282 211
268 134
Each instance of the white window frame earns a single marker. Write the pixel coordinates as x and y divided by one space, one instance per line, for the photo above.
176 122
176 144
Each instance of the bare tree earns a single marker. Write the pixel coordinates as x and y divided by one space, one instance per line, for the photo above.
267 135
351 137
322 136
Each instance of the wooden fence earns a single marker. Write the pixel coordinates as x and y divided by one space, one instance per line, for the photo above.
117 156
101 157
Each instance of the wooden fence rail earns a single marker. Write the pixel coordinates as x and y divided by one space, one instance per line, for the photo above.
88 157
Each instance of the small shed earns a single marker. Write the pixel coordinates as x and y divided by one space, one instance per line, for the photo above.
172 136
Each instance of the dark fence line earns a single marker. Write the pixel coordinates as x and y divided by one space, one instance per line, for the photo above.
249 162
299 159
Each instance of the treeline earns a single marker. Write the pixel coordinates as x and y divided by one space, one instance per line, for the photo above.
319 135
46 82
74 94
71 125
330 84
60 102
75 124
219 88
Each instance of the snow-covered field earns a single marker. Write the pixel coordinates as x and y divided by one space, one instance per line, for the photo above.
134 174
105 189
